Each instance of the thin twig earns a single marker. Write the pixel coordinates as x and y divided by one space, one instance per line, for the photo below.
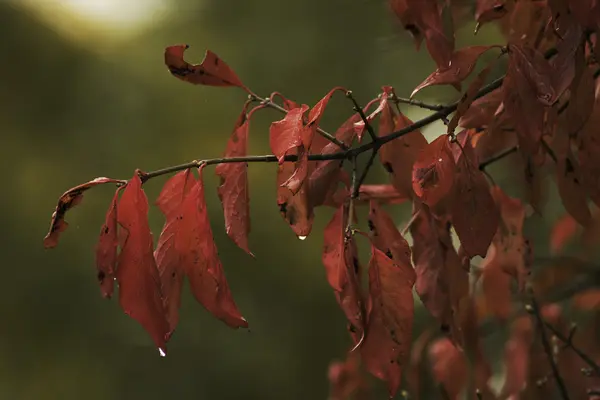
535 310
486 163
353 196
268 103
364 173
416 103
360 112
568 341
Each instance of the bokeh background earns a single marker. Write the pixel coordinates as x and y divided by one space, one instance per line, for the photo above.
84 93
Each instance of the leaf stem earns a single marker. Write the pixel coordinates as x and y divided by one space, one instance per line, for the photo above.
416 103
360 112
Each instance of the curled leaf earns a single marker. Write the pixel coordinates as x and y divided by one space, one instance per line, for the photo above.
68 200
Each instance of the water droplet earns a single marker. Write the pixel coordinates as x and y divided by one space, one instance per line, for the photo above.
440 160
162 352
301 237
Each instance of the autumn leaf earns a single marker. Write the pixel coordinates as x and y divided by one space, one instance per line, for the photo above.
461 65
385 236
201 261
233 190
170 261
68 200
212 71
137 274
496 285
341 265
382 193
399 155
346 379
475 215
449 367
489 10
442 283
389 329
106 249
433 171
516 357
562 232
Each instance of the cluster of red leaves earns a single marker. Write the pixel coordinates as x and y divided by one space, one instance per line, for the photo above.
546 108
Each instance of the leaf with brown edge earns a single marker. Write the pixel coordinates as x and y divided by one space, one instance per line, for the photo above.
461 65
212 71
68 200
442 283
106 249
233 190
562 232
201 259
399 155
169 260
475 215
386 346
340 259
569 180
137 273
433 171
385 236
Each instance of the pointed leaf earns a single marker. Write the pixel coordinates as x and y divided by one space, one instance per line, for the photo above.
212 71
201 259
389 331
137 274
68 200
106 249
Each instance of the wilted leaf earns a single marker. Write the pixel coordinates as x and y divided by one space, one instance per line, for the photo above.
212 71
106 249
68 200
137 274
389 329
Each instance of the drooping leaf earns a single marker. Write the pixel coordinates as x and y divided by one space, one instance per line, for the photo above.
212 71
389 329
433 171
399 155
385 236
294 208
442 283
449 368
233 190
201 259
489 10
68 200
461 65
106 249
482 111
475 215
496 285
169 260
137 273
341 265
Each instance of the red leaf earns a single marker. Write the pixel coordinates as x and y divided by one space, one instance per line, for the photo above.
68 200
496 284
563 230
399 155
201 259
433 172
346 379
529 68
341 264
390 319
448 367
569 181
168 259
294 208
475 215
106 249
137 274
212 71
489 10
461 65
516 357
382 193
386 237
442 283
233 190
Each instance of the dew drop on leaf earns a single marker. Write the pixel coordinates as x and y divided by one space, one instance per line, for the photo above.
162 352
301 237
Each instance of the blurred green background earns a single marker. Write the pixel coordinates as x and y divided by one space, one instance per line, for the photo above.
84 93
